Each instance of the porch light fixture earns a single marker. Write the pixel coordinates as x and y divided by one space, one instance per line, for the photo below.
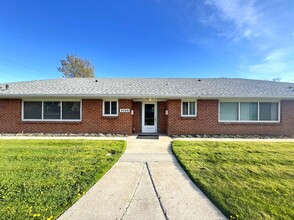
150 99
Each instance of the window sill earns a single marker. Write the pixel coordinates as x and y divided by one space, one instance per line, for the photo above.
188 117
110 116
45 122
250 123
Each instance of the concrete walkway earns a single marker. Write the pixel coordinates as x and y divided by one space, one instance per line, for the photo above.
146 183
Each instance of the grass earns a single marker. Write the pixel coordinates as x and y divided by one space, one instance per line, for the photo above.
246 180
40 179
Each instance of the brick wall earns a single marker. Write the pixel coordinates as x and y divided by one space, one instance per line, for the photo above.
137 117
206 121
92 121
162 117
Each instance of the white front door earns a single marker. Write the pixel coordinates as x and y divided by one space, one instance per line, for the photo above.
149 114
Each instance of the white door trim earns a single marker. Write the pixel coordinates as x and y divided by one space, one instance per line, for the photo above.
149 128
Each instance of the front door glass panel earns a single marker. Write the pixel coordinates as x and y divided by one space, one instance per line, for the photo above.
149 114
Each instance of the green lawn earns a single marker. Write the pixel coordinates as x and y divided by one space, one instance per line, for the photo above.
40 179
246 180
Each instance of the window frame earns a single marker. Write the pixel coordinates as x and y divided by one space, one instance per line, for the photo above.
60 110
258 111
23 110
240 110
189 115
51 120
110 114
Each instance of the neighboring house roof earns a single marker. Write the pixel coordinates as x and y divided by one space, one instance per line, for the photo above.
149 88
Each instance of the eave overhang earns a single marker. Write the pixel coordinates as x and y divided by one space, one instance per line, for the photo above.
138 97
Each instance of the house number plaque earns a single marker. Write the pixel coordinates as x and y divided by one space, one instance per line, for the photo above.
124 110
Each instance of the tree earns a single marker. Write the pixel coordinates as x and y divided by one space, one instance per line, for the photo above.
277 79
74 67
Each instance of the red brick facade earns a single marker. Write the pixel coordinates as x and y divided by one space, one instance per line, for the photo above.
137 118
92 120
206 121
162 117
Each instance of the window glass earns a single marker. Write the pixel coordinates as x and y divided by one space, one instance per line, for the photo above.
149 114
268 111
32 110
185 108
113 108
192 108
52 110
71 110
188 108
248 111
106 108
229 111
110 108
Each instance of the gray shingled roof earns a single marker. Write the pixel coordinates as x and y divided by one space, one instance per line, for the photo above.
149 87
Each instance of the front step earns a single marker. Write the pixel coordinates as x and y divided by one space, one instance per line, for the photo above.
148 136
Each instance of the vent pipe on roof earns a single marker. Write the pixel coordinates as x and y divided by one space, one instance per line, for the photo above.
3 88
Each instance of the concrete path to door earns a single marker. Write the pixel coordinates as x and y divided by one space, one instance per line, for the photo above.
146 183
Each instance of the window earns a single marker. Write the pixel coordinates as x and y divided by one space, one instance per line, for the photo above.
110 108
51 110
71 110
32 110
229 111
249 111
268 111
188 109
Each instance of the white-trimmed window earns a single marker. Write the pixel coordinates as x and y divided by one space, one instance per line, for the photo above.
51 110
188 108
110 108
249 112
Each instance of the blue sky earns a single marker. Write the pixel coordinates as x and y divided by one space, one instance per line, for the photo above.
149 38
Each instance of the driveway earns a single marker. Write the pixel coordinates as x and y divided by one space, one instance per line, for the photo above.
146 183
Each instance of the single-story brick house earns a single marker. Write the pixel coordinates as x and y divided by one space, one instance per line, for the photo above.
148 105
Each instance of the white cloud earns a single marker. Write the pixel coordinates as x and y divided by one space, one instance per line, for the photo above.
278 63
242 15
261 32
265 27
